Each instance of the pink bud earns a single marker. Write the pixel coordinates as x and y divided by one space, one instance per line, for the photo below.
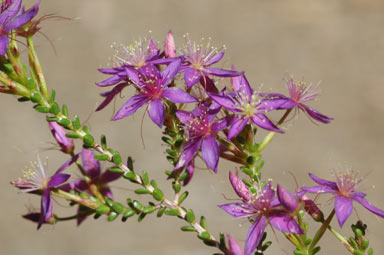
66 144
312 209
286 198
234 247
169 47
240 188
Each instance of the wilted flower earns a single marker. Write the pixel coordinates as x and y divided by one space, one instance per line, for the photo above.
261 209
202 130
344 191
299 93
36 181
153 89
13 17
66 144
198 58
246 105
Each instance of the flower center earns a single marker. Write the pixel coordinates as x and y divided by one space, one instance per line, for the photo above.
347 182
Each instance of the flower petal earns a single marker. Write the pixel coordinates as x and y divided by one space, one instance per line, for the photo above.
225 101
169 46
237 126
156 112
67 164
255 233
131 106
216 58
210 152
110 95
184 116
191 77
221 72
110 81
188 153
109 176
316 115
25 17
90 165
177 95
277 104
284 222
3 44
10 12
286 198
343 209
240 188
46 207
318 189
369 206
238 210
316 179
234 247
190 169
57 179
208 84
169 73
262 121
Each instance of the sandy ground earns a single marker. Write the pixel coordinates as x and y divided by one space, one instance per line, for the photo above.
339 43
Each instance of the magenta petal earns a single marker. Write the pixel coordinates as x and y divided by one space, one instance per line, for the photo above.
210 152
220 124
156 112
316 115
237 126
3 45
277 104
369 206
184 116
234 247
190 169
66 144
46 207
240 188
110 81
132 75
238 210
177 95
10 12
286 198
208 84
109 70
262 121
90 164
224 101
169 73
20 20
284 222
109 176
131 106
343 209
216 58
255 233
188 153
57 179
319 189
322 181
110 95
67 164
221 72
191 77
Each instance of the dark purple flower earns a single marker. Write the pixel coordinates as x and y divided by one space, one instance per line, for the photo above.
199 58
344 191
262 208
92 168
36 181
12 17
66 144
153 89
202 130
246 105
299 94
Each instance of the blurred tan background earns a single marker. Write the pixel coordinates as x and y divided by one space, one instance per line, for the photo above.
340 43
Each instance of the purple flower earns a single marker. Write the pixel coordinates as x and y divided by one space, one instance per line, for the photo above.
92 168
244 102
299 93
233 247
66 144
153 89
36 181
12 17
344 191
262 208
198 58
202 130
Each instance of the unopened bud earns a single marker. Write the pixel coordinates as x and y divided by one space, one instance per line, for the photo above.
66 144
169 47
312 209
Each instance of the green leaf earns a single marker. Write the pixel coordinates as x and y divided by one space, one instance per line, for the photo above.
130 163
149 209
117 159
42 109
158 195
65 110
145 178
190 216
116 170
112 216
23 99
183 176
36 97
138 205
176 187
203 222
62 121
52 97
188 229
101 157
102 209
183 197
161 211
129 213
172 212
117 207
55 109
141 217
142 191
76 122
204 236
88 140
154 184
103 140
171 153
130 176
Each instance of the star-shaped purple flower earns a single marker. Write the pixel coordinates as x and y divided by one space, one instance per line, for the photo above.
299 94
198 59
202 130
13 17
246 105
92 168
36 181
262 209
153 89
344 191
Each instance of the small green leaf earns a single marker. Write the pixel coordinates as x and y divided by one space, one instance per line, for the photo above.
128 213
370 251
138 205
247 171
76 122
130 176
117 159
102 209
142 191
158 195
42 109
101 157
145 178
141 217
365 244
316 250
88 140
171 153
188 229
65 110
254 147
116 170
204 236
112 216
149 209
298 252
183 176
161 211
176 187
63 122
167 140
23 99
154 184
52 97
183 197
55 109
203 222
172 212
190 216
117 207
130 163
36 97
103 140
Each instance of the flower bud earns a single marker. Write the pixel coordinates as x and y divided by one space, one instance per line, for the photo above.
286 198
234 247
312 209
169 47
240 188
66 144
